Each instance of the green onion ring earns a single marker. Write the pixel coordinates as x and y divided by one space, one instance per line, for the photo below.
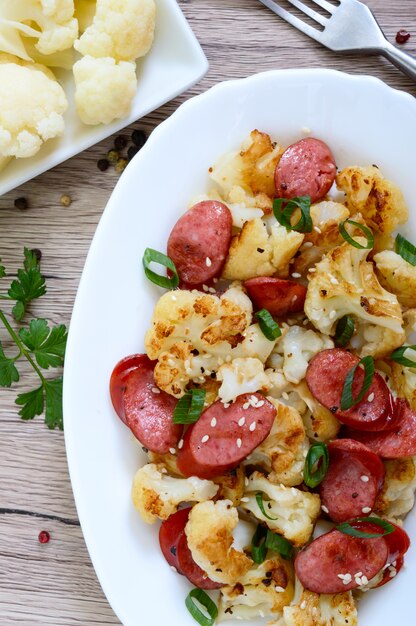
268 326
203 598
347 529
398 356
258 544
344 331
406 249
364 229
189 407
259 500
154 256
347 399
317 457
283 210
279 544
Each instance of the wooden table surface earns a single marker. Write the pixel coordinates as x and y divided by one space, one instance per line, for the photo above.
55 583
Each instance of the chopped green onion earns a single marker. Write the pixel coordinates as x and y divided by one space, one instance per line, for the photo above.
268 326
279 544
347 399
154 256
406 249
364 229
344 331
398 356
283 210
259 500
348 529
189 407
205 619
316 464
258 544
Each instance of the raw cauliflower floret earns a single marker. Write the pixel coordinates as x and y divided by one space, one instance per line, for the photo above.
121 29
264 589
209 532
104 89
254 252
282 454
345 283
295 511
248 173
32 104
297 346
404 378
157 495
241 376
380 201
397 495
313 609
397 275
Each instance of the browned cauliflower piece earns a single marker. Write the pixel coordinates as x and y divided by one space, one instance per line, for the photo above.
397 275
397 495
404 378
231 485
320 423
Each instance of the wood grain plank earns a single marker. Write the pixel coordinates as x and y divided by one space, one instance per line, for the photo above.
55 584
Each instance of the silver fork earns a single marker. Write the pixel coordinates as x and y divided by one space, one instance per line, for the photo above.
350 27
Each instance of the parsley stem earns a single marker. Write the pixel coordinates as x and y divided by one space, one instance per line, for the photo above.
3 296
21 347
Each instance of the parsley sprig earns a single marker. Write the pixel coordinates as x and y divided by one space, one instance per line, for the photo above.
43 347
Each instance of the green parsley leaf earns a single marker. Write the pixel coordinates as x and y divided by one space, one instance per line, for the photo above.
32 402
53 412
29 285
2 270
8 370
48 345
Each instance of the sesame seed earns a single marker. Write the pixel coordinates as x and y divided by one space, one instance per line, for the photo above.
358 580
392 572
312 269
172 450
260 404
252 426
214 422
241 421
279 589
307 244
347 581
239 442
334 281
211 290
204 438
180 444
155 390
208 262
324 508
245 499
370 397
318 230
173 568
226 405
296 275
173 297
171 363
366 509
285 395
365 479
246 405
364 580
205 288
358 574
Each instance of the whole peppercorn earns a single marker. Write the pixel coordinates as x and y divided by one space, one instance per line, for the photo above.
113 156
44 536
120 166
131 152
402 36
138 138
37 253
21 204
103 164
65 200
120 142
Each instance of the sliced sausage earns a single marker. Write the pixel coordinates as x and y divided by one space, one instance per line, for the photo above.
320 565
306 168
118 381
278 296
325 378
191 570
149 411
395 444
223 437
398 543
354 478
199 241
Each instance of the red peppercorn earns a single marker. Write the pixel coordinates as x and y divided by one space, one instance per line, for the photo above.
44 536
402 36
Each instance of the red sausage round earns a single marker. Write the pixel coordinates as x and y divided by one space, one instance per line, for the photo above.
325 378
319 565
149 415
170 531
278 296
223 437
199 241
306 168
118 381
343 491
395 444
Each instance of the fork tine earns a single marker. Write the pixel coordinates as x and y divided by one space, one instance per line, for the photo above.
325 5
310 12
293 20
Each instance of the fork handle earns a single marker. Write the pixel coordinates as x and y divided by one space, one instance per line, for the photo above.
403 60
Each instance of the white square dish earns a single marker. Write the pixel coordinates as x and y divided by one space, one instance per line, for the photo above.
174 63
364 122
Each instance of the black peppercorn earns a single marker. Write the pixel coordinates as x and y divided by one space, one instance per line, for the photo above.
21 204
131 152
138 138
120 142
103 164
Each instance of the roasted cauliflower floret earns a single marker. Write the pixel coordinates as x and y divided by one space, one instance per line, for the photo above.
295 511
282 454
209 532
397 496
345 283
313 609
297 346
398 276
404 378
380 201
320 423
241 376
263 591
249 172
157 495
281 389
254 252
231 485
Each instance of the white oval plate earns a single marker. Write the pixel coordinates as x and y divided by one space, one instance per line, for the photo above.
364 122
174 63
